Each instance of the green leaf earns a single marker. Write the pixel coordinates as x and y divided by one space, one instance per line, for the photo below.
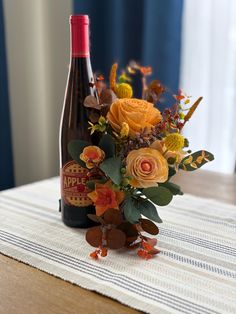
159 195
196 160
148 210
131 211
107 144
172 172
90 185
172 187
75 148
112 168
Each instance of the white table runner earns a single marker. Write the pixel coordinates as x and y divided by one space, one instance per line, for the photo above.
194 273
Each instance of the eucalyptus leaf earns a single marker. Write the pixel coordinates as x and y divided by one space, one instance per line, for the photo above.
159 195
172 172
148 210
131 211
172 187
75 148
196 160
112 168
107 144
90 185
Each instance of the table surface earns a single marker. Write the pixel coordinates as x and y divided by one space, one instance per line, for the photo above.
24 289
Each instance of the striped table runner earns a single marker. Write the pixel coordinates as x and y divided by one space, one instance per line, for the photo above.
195 272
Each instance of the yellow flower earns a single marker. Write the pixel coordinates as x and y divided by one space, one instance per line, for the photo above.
92 155
160 146
124 90
137 113
124 129
174 142
147 167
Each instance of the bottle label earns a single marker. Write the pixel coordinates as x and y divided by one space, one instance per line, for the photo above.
73 185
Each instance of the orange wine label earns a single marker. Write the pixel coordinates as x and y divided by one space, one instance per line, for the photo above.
73 185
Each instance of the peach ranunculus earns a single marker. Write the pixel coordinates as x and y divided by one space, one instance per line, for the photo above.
104 198
137 113
147 167
92 155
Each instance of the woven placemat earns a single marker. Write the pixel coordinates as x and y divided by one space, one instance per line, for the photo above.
194 273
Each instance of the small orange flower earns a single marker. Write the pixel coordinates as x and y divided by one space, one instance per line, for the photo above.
104 197
92 155
94 255
146 70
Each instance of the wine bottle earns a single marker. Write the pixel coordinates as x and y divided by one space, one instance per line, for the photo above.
75 204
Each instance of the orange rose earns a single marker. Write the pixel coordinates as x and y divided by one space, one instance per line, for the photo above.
92 155
147 167
104 198
137 113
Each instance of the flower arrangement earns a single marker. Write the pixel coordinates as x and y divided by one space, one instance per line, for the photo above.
129 172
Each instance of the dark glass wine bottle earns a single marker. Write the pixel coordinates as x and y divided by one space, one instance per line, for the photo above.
75 204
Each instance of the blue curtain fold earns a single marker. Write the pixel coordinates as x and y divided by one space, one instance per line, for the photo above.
6 159
148 31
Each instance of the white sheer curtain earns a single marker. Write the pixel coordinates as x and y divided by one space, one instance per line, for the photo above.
209 69
37 34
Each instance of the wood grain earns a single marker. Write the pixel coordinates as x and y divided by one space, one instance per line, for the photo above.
26 290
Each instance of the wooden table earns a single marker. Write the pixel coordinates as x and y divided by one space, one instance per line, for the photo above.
24 289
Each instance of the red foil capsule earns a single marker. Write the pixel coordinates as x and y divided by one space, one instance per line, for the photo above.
79 32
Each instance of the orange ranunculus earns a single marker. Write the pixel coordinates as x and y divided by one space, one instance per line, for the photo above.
92 155
147 167
104 198
137 113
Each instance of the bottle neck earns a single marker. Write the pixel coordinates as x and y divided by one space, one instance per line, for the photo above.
79 39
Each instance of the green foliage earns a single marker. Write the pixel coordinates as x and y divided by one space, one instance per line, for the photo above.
75 148
148 210
112 168
90 185
172 172
131 211
173 188
107 144
101 126
196 160
159 195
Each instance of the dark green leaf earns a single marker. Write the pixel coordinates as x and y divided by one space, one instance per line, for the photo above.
148 210
174 188
159 195
196 160
75 148
91 185
112 168
107 144
131 211
172 172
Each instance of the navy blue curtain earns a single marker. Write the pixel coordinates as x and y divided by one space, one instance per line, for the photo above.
6 162
148 31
